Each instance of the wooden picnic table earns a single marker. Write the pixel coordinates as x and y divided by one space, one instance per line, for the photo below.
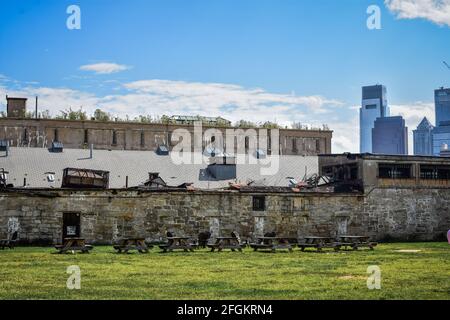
226 243
74 244
272 243
177 243
127 244
355 242
317 243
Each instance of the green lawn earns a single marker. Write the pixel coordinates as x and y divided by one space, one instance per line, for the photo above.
36 273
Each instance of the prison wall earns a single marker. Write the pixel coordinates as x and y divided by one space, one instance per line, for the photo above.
107 215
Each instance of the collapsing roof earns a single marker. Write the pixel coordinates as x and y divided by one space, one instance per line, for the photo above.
131 168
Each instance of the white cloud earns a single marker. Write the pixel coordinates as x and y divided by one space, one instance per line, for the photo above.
104 67
437 11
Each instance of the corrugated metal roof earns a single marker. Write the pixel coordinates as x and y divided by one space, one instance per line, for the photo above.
34 164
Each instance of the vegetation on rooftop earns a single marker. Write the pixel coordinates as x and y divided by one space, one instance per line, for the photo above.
100 115
408 271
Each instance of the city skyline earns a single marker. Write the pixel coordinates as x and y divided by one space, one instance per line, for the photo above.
222 59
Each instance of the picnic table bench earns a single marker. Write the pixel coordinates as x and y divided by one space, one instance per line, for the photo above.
226 243
74 244
128 244
177 243
10 242
355 242
317 242
272 243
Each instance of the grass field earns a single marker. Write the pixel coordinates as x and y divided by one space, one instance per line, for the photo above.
408 271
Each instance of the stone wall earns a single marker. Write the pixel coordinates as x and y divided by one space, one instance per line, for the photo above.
384 214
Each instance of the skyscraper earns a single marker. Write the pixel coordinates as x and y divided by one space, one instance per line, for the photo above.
442 105
423 138
390 136
373 106
441 137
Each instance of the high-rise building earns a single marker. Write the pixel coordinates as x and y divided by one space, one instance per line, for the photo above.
441 137
390 136
423 138
373 106
442 105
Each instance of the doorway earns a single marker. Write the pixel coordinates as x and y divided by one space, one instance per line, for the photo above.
71 225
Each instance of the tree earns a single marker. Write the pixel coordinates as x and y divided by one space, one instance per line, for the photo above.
270 125
245 124
100 115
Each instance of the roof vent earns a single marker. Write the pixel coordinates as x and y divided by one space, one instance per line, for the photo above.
260 154
162 150
3 145
57 146
155 181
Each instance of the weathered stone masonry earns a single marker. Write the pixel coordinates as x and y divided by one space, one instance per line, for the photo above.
384 213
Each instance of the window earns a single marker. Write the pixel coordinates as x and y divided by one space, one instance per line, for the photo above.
246 141
213 138
86 135
371 106
55 134
294 145
25 135
318 145
435 172
394 171
259 203
114 138
142 139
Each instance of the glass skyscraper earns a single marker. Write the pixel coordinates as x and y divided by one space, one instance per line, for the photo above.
390 136
373 106
442 105
441 133
423 138
441 137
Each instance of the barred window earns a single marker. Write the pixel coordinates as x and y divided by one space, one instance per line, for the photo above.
259 203
394 171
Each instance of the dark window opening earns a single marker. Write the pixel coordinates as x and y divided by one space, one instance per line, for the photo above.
86 135
246 141
294 145
435 172
269 143
394 171
142 139
354 172
318 145
213 138
371 106
259 203
114 138
55 133
25 135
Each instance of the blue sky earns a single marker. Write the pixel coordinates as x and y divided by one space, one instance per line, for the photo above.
290 60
